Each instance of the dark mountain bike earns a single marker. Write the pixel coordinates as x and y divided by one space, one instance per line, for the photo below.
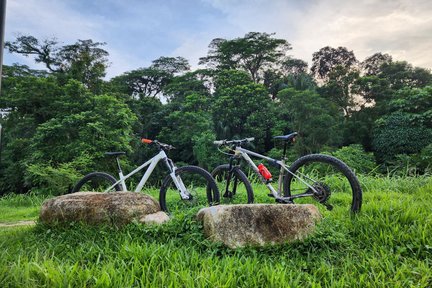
323 178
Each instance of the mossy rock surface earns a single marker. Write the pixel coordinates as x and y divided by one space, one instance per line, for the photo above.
118 208
258 224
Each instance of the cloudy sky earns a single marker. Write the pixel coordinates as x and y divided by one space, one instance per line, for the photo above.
139 31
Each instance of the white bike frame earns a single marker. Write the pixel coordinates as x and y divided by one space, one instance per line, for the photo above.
184 194
244 153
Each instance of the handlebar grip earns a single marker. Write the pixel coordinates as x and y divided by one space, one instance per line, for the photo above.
250 139
218 142
146 141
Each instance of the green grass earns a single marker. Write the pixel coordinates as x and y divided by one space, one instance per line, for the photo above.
389 244
19 207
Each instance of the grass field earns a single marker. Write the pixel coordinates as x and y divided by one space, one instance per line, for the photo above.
389 244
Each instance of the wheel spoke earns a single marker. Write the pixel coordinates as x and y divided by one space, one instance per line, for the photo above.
200 188
330 181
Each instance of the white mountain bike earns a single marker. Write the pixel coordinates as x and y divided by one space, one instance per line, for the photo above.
184 187
323 178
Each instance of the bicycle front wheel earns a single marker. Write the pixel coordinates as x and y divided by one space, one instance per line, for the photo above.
96 182
201 189
335 184
237 190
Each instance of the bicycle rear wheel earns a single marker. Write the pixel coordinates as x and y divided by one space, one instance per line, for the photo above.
334 182
239 190
96 182
199 184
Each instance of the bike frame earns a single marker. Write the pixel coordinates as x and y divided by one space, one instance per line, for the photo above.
152 164
240 152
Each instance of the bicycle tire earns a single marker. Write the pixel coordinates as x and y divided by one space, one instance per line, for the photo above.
232 196
99 180
190 176
302 164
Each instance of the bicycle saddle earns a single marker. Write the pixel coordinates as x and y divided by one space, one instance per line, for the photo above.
286 137
115 153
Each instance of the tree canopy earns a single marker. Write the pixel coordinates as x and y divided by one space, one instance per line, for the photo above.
58 122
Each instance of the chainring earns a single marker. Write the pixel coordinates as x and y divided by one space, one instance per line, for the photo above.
322 192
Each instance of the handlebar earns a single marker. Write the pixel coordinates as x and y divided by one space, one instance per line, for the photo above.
236 142
158 144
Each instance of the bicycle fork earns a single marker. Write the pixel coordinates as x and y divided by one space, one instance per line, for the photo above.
178 182
121 176
230 175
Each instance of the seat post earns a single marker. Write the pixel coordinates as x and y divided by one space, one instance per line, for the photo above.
284 150
118 165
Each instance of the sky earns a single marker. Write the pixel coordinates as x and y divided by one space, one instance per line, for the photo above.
140 31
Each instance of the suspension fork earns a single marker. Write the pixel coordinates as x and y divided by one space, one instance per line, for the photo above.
229 176
121 176
178 182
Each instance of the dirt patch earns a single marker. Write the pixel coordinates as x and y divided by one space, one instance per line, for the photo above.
19 223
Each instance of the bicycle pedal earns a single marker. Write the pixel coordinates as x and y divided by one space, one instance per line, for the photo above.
328 206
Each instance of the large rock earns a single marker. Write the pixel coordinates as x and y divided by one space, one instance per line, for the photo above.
258 224
117 208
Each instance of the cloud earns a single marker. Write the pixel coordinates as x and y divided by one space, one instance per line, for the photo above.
48 19
138 32
400 28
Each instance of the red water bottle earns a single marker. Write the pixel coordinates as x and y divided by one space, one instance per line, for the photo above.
264 172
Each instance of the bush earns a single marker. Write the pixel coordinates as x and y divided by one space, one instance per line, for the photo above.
356 158
411 165
397 134
206 152
50 180
425 159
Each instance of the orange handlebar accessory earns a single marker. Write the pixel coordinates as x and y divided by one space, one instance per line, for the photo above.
146 141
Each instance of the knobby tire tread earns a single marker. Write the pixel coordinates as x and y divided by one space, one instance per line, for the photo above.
341 166
185 169
241 176
93 175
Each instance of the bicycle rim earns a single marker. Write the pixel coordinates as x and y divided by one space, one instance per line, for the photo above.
333 184
196 183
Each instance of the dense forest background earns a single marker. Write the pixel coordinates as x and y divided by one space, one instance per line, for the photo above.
374 114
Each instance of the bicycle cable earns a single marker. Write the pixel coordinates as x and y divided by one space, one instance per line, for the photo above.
226 153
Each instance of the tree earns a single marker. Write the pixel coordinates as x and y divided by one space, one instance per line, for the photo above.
150 81
338 88
373 90
199 81
171 65
31 97
372 64
53 131
84 61
316 119
292 66
380 89
44 51
336 67
416 103
185 121
104 125
401 74
291 73
140 83
241 108
397 134
327 59
253 53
